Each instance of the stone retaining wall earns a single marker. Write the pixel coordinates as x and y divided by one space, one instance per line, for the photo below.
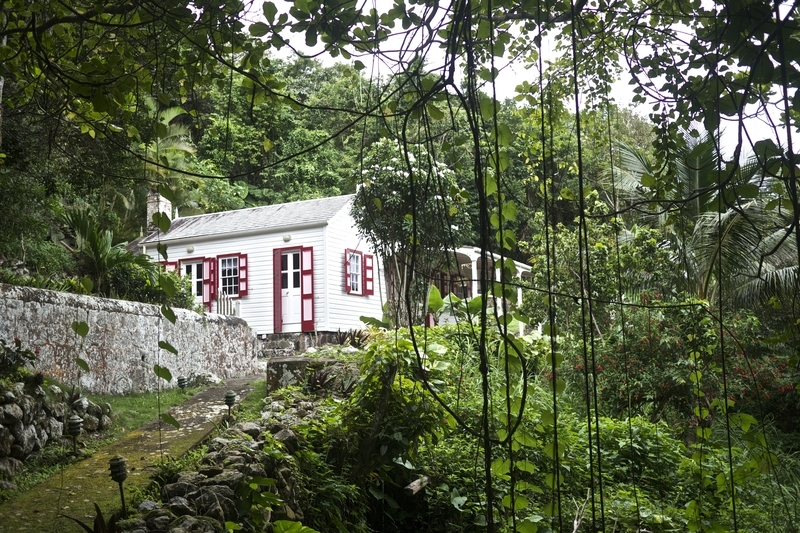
121 347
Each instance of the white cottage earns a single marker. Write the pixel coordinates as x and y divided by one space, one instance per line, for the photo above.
286 268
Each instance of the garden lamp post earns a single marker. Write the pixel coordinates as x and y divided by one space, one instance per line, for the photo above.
183 382
74 427
119 472
230 400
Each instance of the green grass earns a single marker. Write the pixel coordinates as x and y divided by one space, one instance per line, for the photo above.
133 410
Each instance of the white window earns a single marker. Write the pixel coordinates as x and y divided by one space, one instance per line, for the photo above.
358 273
229 275
194 271
355 273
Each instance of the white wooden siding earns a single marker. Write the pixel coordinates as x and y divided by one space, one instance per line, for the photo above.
257 307
344 310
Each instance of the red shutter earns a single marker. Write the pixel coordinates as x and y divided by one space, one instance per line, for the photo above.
277 318
242 275
368 273
307 288
347 254
209 281
170 266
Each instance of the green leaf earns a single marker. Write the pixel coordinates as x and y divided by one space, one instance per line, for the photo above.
259 29
456 499
526 526
167 285
162 371
162 250
162 221
168 313
567 194
358 65
169 419
747 190
85 366
520 502
87 284
435 301
164 98
435 112
164 345
311 37
268 145
648 181
270 11
81 328
232 526
374 322
288 526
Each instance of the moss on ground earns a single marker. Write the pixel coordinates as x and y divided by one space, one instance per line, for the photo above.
76 489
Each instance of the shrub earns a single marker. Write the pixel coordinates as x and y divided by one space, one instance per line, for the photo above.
130 281
13 357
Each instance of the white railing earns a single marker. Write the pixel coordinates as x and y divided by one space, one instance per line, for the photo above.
227 305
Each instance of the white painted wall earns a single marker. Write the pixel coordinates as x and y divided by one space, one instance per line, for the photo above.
334 309
344 310
256 307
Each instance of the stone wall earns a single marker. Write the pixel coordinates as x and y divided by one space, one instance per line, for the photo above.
121 347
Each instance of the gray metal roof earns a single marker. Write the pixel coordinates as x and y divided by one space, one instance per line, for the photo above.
255 219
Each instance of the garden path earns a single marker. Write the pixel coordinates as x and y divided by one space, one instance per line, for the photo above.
74 491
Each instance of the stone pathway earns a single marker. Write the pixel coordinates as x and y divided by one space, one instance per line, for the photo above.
74 491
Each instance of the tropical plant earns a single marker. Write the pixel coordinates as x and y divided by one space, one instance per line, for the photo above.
98 254
729 236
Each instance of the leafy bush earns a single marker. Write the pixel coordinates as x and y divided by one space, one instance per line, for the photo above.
49 259
130 281
13 357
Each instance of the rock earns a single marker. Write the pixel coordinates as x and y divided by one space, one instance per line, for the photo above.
180 506
195 524
228 478
107 409
210 471
25 440
39 392
311 349
132 525
28 407
55 429
6 440
80 406
158 519
8 485
9 467
215 501
60 410
190 477
217 443
7 397
208 378
56 391
90 423
10 414
250 428
105 422
94 409
42 437
289 440
233 460
147 505
177 489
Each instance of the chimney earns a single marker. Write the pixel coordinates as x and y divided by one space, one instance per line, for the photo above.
156 204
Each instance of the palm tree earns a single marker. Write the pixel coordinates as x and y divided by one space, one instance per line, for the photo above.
100 256
722 241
